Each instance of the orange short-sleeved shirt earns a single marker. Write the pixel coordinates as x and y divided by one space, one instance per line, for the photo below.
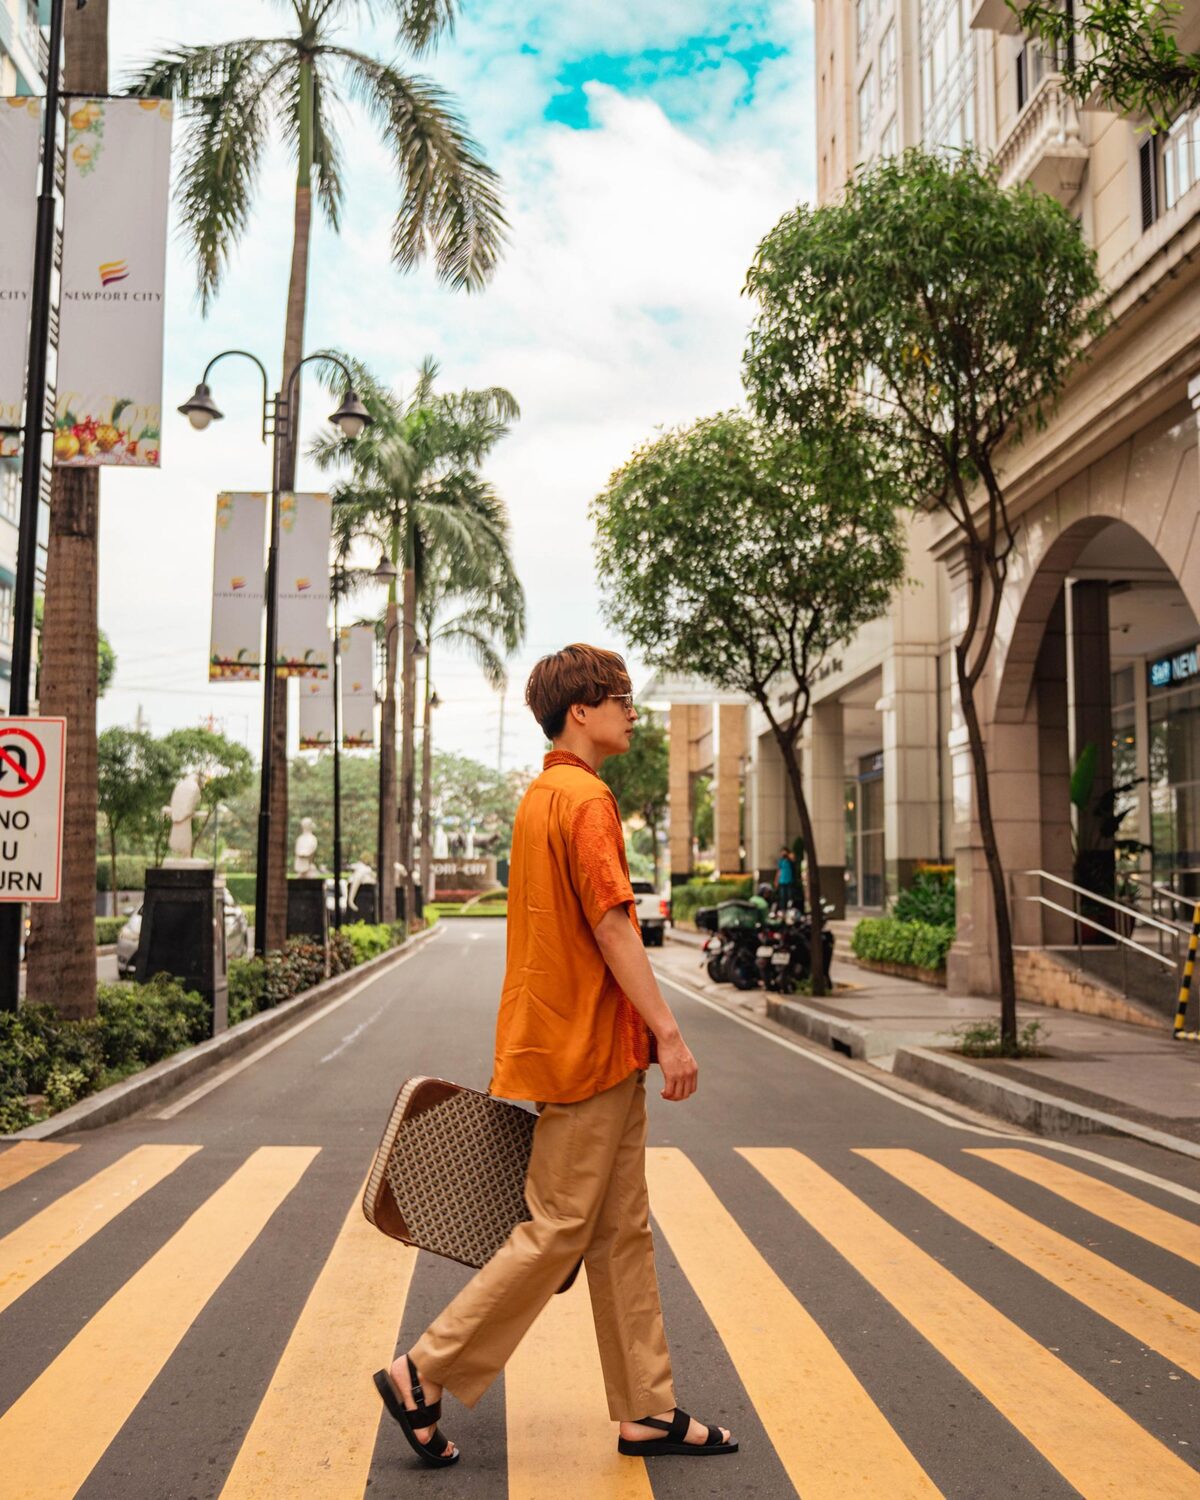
565 1030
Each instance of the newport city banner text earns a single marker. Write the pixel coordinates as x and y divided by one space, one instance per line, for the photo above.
236 649
110 352
20 132
304 645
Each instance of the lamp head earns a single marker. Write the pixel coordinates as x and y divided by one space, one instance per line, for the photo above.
200 409
352 416
435 701
385 570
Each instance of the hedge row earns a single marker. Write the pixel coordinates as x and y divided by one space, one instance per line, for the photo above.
686 898
108 929
888 940
260 984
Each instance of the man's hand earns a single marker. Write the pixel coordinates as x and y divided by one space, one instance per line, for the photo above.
679 1068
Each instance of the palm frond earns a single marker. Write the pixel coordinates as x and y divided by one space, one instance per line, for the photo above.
227 91
450 207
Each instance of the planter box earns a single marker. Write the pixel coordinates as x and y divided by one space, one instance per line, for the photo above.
903 971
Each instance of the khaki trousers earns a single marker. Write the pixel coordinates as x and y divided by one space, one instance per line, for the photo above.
586 1190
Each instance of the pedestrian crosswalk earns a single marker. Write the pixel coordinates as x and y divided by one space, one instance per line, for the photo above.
314 1429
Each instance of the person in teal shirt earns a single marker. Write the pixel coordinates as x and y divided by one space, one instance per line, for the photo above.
786 881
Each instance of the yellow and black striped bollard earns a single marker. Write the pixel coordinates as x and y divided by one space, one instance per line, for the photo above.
1185 984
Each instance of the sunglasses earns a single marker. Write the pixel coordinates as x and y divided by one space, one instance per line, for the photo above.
624 699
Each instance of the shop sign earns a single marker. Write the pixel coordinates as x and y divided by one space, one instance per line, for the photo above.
1182 666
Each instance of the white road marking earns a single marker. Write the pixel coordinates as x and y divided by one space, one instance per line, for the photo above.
1164 1184
353 1036
292 1031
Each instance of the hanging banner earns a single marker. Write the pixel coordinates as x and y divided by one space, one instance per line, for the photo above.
316 713
303 648
110 350
357 672
238 588
20 133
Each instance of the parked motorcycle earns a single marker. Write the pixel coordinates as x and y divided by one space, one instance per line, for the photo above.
731 949
784 957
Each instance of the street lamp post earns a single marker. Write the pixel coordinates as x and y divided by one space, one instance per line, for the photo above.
338 577
352 417
21 667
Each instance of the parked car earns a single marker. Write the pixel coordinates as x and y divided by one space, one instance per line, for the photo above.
653 913
237 936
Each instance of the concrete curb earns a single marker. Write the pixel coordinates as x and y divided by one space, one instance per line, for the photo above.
132 1094
1045 1114
847 1037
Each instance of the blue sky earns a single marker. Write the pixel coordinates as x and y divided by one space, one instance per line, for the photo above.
645 147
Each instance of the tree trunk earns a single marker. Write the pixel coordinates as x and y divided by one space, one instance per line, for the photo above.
409 708
816 915
293 348
61 953
386 889
427 786
987 831
112 865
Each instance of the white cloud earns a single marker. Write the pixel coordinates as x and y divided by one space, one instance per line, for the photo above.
617 309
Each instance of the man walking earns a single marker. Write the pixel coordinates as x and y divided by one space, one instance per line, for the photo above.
581 1018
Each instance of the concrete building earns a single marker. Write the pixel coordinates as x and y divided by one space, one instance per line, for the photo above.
24 59
1101 622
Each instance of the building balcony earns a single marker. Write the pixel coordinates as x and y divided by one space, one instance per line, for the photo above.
994 15
1043 147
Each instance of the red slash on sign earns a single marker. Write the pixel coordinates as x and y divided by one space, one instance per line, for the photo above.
22 762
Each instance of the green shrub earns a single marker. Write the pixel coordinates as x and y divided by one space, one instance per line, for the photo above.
686 898
341 952
982 1039
369 939
247 988
890 941
297 967
143 1023
399 932
930 898
131 872
108 930
64 1086
241 888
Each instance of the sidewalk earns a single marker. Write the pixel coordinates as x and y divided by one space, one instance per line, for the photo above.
1095 1074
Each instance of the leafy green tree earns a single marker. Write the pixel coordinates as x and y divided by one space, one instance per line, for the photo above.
1126 52
639 778
415 487
236 93
465 791
133 783
941 315
224 767
747 555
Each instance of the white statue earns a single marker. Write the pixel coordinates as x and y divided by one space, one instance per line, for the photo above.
441 844
361 874
306 849
185 800
470 849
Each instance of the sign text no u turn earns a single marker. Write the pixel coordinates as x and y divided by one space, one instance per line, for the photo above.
31 808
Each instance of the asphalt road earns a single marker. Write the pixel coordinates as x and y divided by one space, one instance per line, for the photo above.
192 1305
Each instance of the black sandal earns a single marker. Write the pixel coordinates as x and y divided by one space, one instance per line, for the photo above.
423 1416
676 1430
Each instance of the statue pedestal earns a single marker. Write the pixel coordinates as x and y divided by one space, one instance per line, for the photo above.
418 902
366 905
307 915
183 934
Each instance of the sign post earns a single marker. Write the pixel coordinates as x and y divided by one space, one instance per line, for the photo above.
31 820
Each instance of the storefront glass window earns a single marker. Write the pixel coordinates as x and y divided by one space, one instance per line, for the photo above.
1174 758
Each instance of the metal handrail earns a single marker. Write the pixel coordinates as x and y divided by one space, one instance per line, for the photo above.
1079 890
1165 890
1067 911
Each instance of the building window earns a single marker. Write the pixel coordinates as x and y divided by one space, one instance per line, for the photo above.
10 491
887 62
889 141
866 107
947 73
1033 64
1179 153
6 611
863 16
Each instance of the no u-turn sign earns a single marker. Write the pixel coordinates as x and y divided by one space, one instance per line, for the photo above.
31 808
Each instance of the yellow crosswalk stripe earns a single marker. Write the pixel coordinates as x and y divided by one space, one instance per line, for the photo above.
26 1157
1145 1313
1166 1230
575 1454
1087 1438
829 1435
44 1241
315 1429
57 1431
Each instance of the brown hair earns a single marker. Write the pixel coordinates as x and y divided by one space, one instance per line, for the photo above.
576 674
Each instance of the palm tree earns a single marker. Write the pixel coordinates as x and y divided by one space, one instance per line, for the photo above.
415 484
492 616
449 202
61 951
